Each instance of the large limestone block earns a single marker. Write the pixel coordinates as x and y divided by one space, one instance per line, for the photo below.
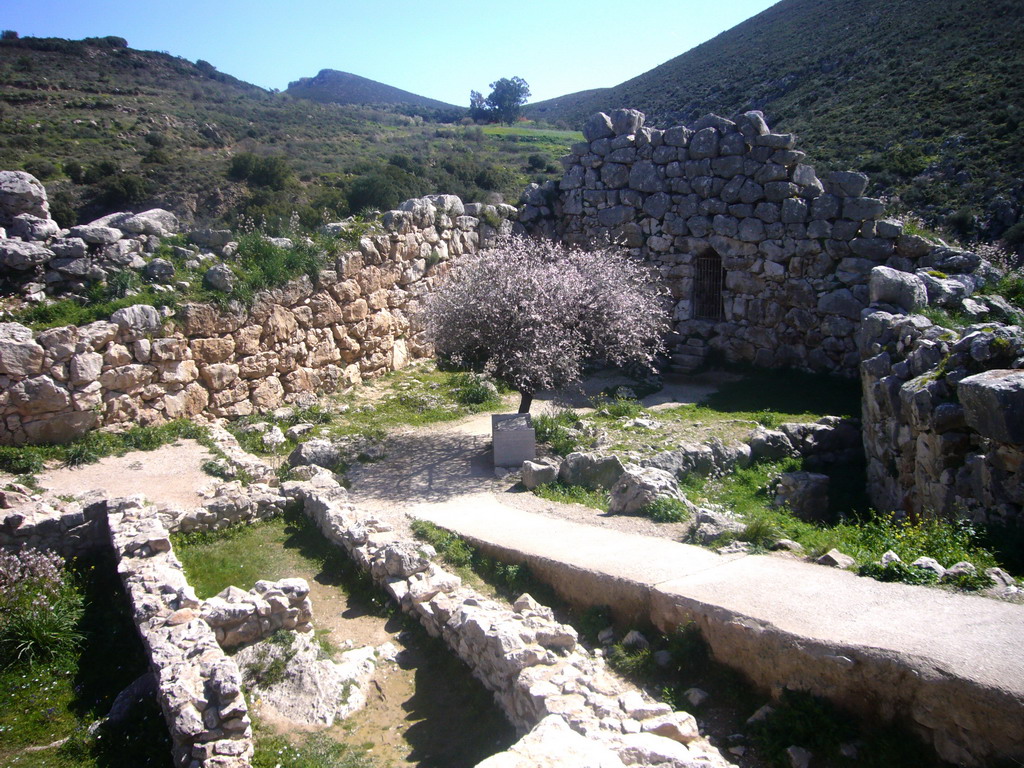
21 192
993 404
19 353
591 470
19 255
901 289
553 744
640 486
155 221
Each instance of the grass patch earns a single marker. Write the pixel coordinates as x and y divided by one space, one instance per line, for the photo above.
314 750
96 306
863 534
507 580
59 697
272 549
666 510
955 321
560 430
573 494
96 445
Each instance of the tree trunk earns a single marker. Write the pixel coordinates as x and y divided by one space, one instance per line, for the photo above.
525 401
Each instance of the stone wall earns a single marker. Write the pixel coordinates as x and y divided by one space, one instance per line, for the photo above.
532 663
198 686
146 366
943 415
732 200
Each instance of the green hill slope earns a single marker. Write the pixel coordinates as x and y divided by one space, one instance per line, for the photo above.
107 127
926 95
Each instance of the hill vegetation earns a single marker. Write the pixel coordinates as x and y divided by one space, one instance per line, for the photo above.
927 96
333 87
107 127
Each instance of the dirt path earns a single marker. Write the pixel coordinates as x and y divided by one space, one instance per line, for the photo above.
170 475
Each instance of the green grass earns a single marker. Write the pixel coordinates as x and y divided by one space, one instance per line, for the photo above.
863 534
666 510
558 430
313 750
59 699
506 580
573 494
272 549
417 396
944 318
95 445
75 312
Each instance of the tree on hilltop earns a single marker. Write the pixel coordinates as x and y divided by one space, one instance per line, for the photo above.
533 313
504 103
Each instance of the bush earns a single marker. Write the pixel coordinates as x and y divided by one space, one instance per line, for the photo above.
40 607
666 510
898 571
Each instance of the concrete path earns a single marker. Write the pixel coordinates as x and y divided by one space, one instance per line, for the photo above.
967 635
951 664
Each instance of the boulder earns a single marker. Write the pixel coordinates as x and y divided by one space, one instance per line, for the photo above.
158 271
599 126
836 559
993 404
770 444
155 221
627 121
321 453
553 744
29 227
20 356
591 470
806 493
219 277
638 487
96 234
138 320
711 526
901 289
21 192
536 473
19 255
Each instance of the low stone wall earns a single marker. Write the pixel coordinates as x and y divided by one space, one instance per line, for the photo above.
146 366
942 414
72 529
198 686
533 664
238 618
765 262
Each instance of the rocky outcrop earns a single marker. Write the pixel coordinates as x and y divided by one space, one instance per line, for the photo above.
238 618
942 417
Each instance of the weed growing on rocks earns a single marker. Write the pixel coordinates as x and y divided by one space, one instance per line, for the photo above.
560 430
573 494
666 510
310 751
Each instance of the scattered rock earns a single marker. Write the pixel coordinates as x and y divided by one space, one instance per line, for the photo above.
930 564
799 757
590 470
541 472
638 487
836 559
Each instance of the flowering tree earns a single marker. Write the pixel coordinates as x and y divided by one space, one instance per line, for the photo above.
533 313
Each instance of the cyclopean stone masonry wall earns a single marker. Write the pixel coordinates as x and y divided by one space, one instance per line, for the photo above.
147 365
943 415
766 263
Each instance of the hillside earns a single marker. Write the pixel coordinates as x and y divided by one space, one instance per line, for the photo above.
925 95
333 87
107 127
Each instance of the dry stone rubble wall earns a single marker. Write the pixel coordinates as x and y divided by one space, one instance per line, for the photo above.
533 664
147 366
942 413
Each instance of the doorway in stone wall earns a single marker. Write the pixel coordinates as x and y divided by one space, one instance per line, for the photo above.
708 282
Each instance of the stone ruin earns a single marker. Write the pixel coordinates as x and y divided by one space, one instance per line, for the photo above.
766 263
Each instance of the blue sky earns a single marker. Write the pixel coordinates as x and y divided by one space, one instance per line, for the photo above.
437 49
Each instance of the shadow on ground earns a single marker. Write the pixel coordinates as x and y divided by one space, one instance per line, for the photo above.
427 468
